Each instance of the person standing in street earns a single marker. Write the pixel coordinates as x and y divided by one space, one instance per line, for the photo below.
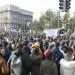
48 66
67 65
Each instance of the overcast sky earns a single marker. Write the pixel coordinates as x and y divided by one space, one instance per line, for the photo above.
37 6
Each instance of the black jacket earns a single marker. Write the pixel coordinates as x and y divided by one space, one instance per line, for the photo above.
26 64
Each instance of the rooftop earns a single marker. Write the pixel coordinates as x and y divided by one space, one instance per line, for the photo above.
15 8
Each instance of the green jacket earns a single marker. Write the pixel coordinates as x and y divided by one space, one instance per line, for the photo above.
48 67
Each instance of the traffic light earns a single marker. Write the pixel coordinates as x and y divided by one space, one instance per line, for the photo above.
61 4
68 4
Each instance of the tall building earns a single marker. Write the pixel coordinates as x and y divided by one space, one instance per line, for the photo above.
14 18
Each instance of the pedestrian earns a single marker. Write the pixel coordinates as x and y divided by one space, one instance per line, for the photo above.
3 67
48 66
7 52
26 62
26 47
57 55
67 65
14 62
36 58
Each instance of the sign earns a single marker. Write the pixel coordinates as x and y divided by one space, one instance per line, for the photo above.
51 32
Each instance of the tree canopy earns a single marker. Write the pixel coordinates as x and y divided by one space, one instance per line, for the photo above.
49 20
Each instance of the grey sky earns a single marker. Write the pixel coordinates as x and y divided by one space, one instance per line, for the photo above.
37 6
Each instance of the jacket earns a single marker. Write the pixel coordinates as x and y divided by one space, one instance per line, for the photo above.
57 56
26 64
7 54
36 62
48 67
67 67
14 64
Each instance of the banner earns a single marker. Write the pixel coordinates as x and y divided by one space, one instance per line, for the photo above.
51 32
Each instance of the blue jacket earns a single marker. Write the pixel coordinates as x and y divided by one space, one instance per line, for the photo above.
57 54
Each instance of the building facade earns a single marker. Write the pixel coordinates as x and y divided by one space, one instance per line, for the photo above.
12 18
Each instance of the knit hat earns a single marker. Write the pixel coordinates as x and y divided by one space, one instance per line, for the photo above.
48 53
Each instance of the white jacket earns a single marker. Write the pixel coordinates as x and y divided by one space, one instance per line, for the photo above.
15 65
67 67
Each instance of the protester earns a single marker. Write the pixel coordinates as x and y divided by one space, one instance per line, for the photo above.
26 62
26 47
35 54
14 62
67 64
36 45
3 67
48 66
7 52
36 58
57 55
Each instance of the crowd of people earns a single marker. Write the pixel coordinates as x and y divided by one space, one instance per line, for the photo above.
24 55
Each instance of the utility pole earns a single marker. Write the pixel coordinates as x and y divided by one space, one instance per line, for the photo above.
58 19
61 8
